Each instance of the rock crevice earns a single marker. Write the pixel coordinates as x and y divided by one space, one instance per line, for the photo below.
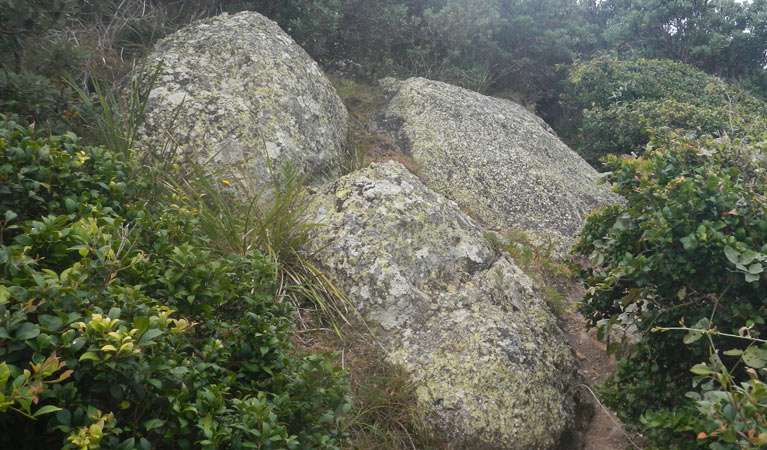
492 157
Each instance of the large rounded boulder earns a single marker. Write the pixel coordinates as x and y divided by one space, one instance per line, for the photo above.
236 88
499 162
491 366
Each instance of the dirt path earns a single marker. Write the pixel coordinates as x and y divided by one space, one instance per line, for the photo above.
605 431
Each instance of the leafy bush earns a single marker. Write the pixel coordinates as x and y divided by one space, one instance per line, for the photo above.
732 413
725 37
119 329
611 103
28 94
689 246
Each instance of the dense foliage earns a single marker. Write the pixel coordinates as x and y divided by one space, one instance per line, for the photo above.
484 45
119 329
690 247
517 44
723 37
514 48
610 104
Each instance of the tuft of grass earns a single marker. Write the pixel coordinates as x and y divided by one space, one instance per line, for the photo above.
363 145
385 414
362 100
355 155
236 217
111 119
240 219
538 263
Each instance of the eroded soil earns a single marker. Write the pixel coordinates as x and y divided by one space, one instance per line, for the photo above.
605 431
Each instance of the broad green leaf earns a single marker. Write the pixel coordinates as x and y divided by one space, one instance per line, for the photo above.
702 324
70 204
153 423
750 277
114 313
701 369
46 409
747 257
729 413
206 423
141 324
692 336
755 268
50 323
733 352
755 357
64 417
149 335
27 330
128 444
89 356
5 372
731 254
5 294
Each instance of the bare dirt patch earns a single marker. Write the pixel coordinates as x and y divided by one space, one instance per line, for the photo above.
605 431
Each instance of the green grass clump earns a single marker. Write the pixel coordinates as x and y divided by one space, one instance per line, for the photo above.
538 263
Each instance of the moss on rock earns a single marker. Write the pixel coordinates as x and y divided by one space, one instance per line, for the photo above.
492 157
243 90
491 365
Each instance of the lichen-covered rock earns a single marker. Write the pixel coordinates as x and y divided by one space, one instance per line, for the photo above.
491 365
242 89
495 159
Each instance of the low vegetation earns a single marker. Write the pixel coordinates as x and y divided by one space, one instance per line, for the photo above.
611 105
122 328
681 267
143 306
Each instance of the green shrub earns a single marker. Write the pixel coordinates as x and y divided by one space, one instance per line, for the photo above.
120 329
724 413
611 103
731 413
689 246
28 94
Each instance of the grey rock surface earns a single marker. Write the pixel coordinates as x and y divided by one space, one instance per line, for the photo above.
499 162
243 90
491 365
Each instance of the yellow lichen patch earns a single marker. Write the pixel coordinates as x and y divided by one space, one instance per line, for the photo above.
473 331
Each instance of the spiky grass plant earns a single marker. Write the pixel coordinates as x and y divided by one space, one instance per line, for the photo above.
385 412
113 119
240 218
